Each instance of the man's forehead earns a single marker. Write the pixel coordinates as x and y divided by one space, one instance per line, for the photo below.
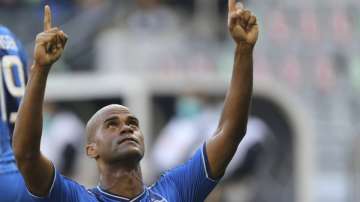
105 112
113 110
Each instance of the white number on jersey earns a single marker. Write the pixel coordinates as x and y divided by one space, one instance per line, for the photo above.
10 65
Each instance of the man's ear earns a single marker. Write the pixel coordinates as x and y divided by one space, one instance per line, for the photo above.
91 150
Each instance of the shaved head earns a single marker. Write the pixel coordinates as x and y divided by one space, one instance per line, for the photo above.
96 119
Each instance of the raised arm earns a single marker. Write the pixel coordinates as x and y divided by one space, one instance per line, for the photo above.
222 146
37 171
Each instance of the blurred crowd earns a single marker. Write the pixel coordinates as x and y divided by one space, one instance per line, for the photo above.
309 47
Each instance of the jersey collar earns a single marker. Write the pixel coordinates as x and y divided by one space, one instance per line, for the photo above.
120 198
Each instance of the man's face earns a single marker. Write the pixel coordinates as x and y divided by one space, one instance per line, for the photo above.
117 136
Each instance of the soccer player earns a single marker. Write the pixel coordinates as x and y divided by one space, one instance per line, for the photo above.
13 76
114 139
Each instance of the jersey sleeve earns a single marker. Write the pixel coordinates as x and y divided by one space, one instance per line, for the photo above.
192 179
62 190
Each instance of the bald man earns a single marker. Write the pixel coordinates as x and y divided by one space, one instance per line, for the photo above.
114 138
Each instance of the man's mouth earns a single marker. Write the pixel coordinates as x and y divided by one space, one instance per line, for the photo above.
127 139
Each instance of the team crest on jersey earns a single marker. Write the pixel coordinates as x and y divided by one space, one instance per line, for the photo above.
7 43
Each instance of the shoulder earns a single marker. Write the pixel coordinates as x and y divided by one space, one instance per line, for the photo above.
75 186
165 185
187 182
8 40
65 189
4 30
193 166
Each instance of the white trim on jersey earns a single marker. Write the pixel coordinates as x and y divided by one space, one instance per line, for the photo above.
205 167
50 190
119 197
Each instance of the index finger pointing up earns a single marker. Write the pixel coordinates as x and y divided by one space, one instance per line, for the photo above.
232 6
47 18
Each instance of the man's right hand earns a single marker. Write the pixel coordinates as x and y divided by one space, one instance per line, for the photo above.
242 24
49 44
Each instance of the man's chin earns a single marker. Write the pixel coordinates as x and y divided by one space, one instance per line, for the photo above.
132 154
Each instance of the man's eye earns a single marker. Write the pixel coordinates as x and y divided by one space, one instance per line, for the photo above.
111 124
133 123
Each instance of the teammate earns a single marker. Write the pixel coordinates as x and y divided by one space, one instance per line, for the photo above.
114 139
13 76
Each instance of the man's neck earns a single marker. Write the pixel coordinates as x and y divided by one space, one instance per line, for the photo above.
122 181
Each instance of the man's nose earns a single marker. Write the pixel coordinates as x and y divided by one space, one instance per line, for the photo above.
126 129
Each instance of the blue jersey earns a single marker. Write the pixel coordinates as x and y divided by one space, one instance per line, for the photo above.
189 182
13 75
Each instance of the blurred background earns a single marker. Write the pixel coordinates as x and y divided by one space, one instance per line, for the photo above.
170 61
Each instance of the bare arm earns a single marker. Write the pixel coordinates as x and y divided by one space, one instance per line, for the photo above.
232 126
35 168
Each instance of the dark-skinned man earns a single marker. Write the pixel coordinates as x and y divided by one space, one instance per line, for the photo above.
114 138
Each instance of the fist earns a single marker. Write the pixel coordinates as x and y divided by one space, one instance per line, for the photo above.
242 24
49 44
